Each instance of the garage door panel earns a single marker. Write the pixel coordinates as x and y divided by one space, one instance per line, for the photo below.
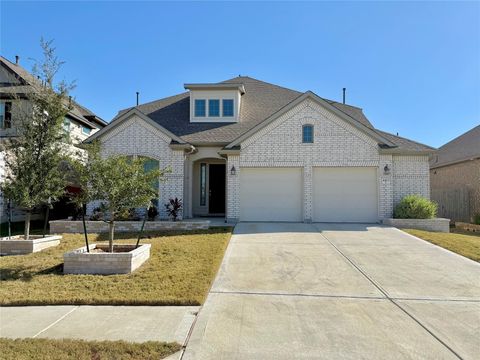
345 194
271 194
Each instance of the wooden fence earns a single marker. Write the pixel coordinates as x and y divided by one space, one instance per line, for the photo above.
453 204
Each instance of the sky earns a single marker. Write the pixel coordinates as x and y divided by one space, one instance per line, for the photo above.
413 67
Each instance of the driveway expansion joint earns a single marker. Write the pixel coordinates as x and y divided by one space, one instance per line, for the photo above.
56 321
392 300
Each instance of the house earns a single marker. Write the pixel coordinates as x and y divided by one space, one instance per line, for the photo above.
253 151
455 177
16 84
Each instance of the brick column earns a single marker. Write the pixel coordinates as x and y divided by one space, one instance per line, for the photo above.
307 192
233 189
385 187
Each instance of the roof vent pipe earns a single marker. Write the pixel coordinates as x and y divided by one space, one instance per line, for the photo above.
137 97
344 90
17 59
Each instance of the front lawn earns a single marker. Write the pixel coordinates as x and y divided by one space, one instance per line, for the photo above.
47 349
463 244
180 271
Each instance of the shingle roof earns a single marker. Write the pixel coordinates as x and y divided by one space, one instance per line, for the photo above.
28 83
462 148
260 101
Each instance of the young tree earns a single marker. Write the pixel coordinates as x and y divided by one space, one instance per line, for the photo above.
32 160
122 183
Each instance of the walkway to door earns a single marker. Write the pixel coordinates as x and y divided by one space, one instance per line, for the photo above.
338 291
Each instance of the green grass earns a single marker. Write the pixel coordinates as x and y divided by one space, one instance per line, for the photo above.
47 349
467 245
180 271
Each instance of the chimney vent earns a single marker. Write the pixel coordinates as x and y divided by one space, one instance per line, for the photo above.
137 97
344 90
17 59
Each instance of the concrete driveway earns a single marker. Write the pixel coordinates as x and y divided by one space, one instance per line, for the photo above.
338 291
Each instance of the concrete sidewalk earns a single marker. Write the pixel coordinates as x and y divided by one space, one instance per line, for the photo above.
128 323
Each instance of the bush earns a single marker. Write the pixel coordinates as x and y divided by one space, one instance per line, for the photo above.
476 219
415 207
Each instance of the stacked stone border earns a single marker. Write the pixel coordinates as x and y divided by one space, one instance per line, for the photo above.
467 226
437 224
79 261
17 245
71 227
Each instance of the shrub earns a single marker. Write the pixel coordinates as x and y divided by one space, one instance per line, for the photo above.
476 219
173 208
152 212
415 207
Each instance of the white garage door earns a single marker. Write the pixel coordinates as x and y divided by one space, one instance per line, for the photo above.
271 194
345 194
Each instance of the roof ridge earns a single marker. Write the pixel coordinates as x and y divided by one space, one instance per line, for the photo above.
460 136
261 81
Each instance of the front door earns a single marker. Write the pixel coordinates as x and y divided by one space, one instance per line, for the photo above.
216 184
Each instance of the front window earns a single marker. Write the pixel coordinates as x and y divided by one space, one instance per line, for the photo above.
5 115
200 108
307 134
149 165
66 125
214 108
227 107
86 130
203 184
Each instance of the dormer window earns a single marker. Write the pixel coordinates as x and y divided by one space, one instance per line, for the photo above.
215 103
227 107
200 108
214 107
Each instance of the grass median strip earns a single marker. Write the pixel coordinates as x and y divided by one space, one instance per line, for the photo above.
180 271
47 349
463 244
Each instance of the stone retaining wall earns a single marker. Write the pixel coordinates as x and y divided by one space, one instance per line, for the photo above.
17 245
437 224
105 263
69 226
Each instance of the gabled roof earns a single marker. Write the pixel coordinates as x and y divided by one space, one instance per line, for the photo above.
462 148
27 83
260 101
128 114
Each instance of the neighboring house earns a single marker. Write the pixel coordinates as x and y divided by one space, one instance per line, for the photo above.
16 84
253 151
455 177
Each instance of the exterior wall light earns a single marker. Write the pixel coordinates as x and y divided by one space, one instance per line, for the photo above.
386 170
233 171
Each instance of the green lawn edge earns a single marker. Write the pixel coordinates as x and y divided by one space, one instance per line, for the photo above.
460 243
49 349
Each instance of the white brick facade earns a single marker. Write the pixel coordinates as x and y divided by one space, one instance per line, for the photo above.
279 144
136 137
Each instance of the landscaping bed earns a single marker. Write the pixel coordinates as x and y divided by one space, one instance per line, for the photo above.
17 245
25 349
180 271
465 245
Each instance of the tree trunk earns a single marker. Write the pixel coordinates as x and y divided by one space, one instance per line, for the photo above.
110 239
45 224
27 225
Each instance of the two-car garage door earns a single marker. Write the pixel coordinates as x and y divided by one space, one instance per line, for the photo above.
339 194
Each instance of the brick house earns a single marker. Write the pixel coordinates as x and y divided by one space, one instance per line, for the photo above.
455 177
16 83
253 151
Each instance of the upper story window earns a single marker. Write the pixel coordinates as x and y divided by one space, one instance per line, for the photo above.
214 107
5 115
86 130
200 108
227 105
307 134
